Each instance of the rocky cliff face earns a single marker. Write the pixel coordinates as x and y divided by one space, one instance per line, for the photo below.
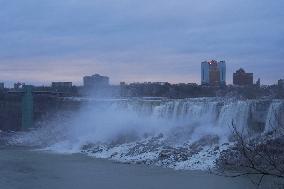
45 107
10 112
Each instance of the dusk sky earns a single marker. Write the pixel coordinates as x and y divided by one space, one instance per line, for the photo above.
139 40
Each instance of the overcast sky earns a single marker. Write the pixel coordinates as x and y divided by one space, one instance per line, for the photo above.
139 40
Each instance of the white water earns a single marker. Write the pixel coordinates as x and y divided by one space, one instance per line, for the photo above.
124 130
273 119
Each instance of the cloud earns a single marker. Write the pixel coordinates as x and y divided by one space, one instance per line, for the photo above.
133 40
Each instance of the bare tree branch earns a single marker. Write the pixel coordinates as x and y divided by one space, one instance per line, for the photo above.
257 158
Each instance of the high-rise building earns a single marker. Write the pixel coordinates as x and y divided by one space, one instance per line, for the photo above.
242 78
222 69
213 73
96 81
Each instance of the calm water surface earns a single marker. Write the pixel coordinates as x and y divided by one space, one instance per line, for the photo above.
27 169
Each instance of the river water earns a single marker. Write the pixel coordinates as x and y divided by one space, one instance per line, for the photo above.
22 168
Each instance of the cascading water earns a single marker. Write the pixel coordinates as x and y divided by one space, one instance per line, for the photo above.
186 109
234 116
273 118
172 133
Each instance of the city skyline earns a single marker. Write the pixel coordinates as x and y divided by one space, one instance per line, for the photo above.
135 42
81 83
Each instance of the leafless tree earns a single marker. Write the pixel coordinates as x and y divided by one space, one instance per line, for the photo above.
256 158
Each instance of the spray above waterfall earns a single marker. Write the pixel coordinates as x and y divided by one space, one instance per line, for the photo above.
129 120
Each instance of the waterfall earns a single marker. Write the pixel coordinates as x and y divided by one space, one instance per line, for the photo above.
190 110
234 116
187 132
204 115
273 118
183 120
